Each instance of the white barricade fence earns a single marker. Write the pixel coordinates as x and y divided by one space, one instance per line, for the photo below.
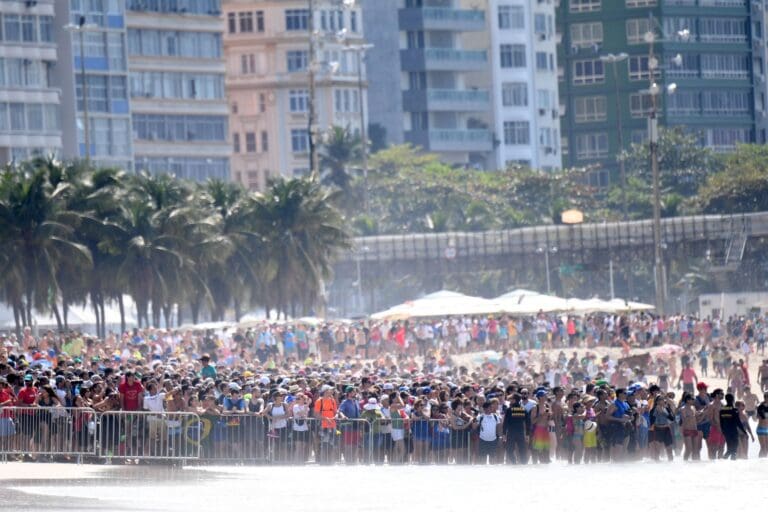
146 435
47 431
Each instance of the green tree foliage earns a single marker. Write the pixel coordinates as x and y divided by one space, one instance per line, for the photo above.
411 191
742 185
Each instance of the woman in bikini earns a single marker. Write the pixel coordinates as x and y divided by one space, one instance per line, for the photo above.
762 426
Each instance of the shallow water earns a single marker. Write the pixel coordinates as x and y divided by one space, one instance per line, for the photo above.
646 487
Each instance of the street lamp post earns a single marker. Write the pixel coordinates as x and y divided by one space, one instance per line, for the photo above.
314 156
81 28
360 50
613 60
546 251
653 149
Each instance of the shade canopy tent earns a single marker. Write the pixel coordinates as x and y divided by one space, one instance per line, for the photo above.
529 303
621 305
438 304
78 316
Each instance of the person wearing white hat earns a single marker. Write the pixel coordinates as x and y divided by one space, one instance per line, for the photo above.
372 445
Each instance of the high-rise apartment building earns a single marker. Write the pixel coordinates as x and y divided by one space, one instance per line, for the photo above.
522 79
442 113
703 47
29 102
178 100
91 42
268 64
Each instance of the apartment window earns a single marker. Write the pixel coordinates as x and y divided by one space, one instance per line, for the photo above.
675 24
232 23
584 5
46 29
541 61
726 139
684 103
591 145
726 102
299 141
687 68
511 17
512 55
640 105
725 66
516 133
28 32
545 99
248 64
353 21
166 43
588 72
564 146
723 30
296 19
234 107
298 100
638 137
419 121
587 109
179 128
631 4
586 34
264 141
18 118
415 39
250 142
540 24
262 102
259 21
545 138
296 60
636 30
11 27
514 94
246 21
236 142
417 80
638 68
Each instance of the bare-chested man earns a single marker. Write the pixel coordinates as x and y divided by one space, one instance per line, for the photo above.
736 380
762 376
716 440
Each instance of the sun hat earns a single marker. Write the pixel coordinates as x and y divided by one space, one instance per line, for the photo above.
372 405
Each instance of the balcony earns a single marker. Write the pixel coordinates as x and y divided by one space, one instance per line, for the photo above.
441 18
446 100
451 140
442 59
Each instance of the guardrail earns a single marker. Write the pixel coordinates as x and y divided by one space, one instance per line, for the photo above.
145 435
186 437
47 431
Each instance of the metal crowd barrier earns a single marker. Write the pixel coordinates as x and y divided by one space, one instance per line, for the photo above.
47 431
146 435
236 438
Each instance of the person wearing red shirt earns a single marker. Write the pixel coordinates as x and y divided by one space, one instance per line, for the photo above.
688 378
131 393
26 419
7 427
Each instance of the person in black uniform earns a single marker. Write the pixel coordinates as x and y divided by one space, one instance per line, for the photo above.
730 424
515 428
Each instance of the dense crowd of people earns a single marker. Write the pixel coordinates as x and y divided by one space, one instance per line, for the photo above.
395 392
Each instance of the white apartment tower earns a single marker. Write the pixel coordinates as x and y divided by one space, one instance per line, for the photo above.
523 80
29 103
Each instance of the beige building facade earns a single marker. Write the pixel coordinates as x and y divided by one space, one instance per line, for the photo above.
266 45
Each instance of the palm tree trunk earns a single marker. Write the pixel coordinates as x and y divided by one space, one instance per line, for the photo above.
238 310
65 314
194 306
103 317
55 308
16 319
95 304
179 311
121 305
167 315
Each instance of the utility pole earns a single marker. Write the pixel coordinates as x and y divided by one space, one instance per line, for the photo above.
314 167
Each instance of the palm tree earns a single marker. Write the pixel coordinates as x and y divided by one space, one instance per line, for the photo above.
303 232
38 234
341 149
152 241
